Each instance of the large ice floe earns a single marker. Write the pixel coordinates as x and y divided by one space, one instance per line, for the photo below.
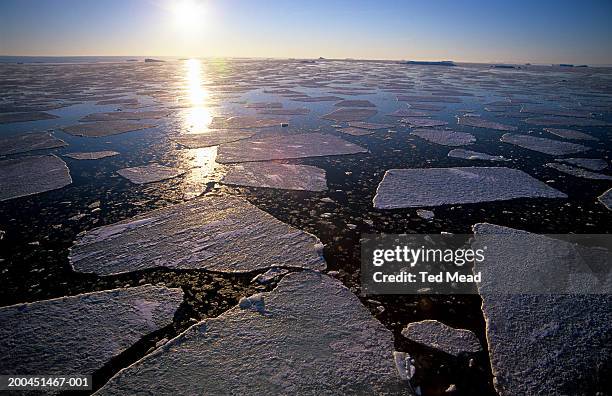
578 172
412 188
445 137
29 142
543 145
566 121
349 114
126 115
149 173
244 122
538 343
594 164
104 128
475 155
310 335
285 147
215 233
273 175
439 336
79 334
212 138
32 175
478 122
8 118
570 134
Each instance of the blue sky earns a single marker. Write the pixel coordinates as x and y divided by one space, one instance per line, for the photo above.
538 31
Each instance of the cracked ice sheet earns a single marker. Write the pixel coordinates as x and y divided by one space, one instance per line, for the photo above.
349 114
445 186
104 128
439 336
286 147
8 118
475 155
478 122
212 138
570 134
215 233
149 173
273 175
543 145
94 155
444 137
313 337
126 115
80 334
32 175
29 142
578 172
540 344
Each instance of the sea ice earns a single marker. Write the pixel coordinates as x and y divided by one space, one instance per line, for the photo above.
426 98
478 122
285 112
94 155
354 103
425 214
273 175
543 145
439 336
410 188
566 121
212 138
215 233
29 142
369 125
538 343
423 122
104 128
126 115
80 334
475 155
578 172
594 164
313 337
149 173
244 122
606 199
349 114
7 118
410 113
570 134
285 147
444 137
32 175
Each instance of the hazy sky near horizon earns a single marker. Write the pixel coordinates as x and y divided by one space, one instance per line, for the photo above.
538 31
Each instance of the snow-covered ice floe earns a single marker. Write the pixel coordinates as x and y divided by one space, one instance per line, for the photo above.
445 137
93 155
538 343
80 334
29 142
349 114
543 145
439 336
594 164
578 172
285 147
104 128
149 173
8 118
475 155
570 134
410 188
32 175
478 122
310 335
212 138
219 233
273 175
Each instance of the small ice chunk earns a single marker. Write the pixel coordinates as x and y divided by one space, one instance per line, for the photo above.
149 173
285 147
425 214
578 172
274 175
404 366
32 175
444 137
270 275
606 199
216 233
475 155
444 186
439 336
29 142
80 334
543 145
104 128
478 122
349 114
570 134
255 303
93 155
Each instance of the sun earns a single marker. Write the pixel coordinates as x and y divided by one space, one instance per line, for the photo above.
188 13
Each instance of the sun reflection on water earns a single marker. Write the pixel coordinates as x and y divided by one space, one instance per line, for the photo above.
199 115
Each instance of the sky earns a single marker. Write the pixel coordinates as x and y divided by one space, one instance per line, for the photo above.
509 31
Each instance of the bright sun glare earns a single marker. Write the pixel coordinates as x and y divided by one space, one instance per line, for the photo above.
188 13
